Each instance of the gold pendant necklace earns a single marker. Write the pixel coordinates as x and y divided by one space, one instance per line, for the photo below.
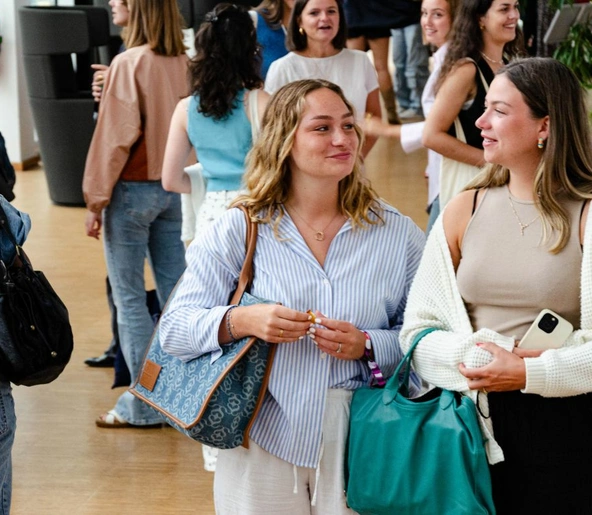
319 235
523 226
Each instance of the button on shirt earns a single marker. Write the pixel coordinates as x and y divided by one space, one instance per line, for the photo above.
365 280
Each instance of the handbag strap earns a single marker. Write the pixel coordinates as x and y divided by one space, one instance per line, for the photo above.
460 133
395 384
246 274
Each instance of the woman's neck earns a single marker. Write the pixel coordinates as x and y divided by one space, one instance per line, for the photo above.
521 185
317 50
493 54
314 203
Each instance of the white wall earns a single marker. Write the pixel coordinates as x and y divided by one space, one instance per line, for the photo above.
16 123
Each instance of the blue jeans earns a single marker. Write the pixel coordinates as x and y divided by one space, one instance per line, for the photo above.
7 429
411 60
142 221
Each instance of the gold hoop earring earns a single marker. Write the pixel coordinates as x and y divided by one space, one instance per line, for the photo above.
301 30
541 143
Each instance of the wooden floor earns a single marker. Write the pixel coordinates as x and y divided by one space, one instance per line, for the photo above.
63 464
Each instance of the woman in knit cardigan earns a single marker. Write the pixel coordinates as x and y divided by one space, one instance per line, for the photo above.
504 249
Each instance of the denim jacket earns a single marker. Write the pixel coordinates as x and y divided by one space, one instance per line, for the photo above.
19 224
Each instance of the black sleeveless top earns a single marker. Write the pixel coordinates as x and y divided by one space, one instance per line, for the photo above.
469 116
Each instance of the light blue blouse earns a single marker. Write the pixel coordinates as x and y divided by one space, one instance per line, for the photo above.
365 280
221 145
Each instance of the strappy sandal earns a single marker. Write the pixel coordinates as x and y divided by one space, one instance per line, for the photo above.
112 420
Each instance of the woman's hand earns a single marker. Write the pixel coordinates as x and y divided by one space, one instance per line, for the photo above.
338 338
93 224
273 323
98 80
506 372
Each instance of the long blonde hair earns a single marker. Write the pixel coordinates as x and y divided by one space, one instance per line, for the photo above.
157 23
549 88
268 176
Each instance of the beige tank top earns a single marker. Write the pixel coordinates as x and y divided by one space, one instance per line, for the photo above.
507 275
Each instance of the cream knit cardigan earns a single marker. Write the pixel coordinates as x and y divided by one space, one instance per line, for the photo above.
434 301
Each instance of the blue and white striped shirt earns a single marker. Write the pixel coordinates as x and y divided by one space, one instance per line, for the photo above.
365 280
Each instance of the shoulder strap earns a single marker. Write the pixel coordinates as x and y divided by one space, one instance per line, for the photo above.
246 275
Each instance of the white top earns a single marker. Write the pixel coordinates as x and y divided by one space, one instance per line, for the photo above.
411 132
351 70
435 301
365 280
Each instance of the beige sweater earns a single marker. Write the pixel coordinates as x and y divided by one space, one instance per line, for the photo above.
140 94
434 301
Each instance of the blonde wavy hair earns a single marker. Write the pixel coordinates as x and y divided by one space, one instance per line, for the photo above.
551 89
268 175
157 23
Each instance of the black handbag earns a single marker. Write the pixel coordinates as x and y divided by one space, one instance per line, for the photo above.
37 339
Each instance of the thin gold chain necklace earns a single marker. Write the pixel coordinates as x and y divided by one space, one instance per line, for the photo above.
319 235
492 60
523 226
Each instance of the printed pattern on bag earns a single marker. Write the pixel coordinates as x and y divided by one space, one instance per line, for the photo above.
182 390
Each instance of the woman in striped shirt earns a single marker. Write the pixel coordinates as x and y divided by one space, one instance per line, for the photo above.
326 244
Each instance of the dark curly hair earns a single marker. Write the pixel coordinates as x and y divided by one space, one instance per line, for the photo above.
466 37
297 41
227 60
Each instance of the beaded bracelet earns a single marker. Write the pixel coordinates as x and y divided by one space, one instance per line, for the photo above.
229 325
377 377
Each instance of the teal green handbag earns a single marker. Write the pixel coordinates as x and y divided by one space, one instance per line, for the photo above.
415 456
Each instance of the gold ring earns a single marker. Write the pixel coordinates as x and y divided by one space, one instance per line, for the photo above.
100 77
338 351
281 333
483 390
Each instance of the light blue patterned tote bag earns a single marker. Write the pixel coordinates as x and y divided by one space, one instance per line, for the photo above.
212 403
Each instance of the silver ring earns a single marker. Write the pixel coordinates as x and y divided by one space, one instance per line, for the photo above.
338 351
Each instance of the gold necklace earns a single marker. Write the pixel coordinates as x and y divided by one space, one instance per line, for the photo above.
319 235
492 60
522 225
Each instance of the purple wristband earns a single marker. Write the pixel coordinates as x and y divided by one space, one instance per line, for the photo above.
377 377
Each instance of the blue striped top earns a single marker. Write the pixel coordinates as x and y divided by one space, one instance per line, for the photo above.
365 280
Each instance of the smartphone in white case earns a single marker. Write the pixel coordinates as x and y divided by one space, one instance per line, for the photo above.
548 331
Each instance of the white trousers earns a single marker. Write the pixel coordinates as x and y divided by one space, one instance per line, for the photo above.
255 482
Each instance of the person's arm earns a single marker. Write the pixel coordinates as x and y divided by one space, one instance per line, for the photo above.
374 126
372 108
457 88
195 321
177 152
118 127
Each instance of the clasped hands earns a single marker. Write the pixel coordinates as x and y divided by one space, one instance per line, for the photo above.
275 323
505 372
